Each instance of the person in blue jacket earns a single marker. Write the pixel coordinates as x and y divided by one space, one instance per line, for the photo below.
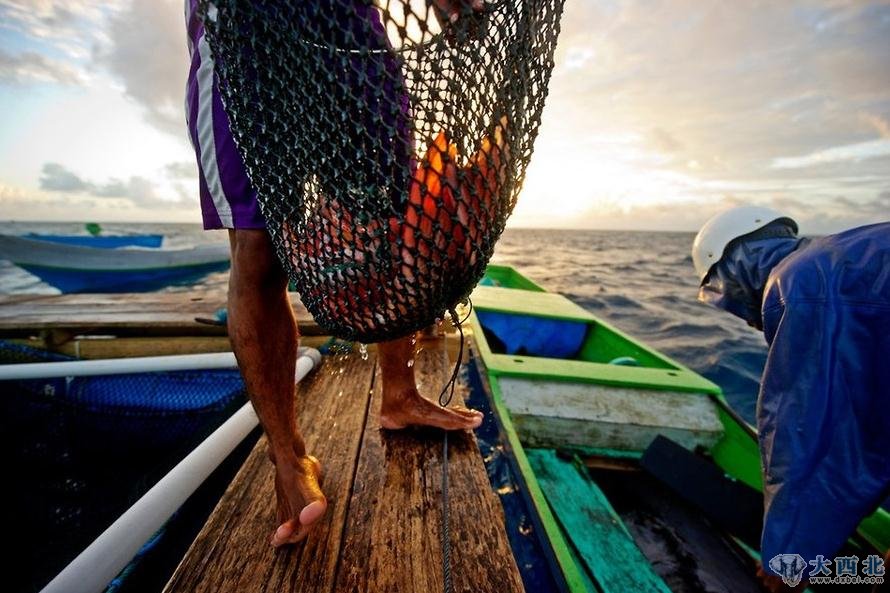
823 412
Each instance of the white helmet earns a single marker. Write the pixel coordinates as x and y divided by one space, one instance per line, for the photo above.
723 228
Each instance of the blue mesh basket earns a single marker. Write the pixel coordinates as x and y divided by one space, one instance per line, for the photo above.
80 451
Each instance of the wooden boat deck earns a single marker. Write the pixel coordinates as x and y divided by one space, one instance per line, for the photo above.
125 314
381 531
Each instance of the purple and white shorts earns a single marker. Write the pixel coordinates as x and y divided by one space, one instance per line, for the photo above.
228 200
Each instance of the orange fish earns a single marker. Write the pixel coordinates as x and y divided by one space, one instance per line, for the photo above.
448 211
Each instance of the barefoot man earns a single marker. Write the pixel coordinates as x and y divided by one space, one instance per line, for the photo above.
261 323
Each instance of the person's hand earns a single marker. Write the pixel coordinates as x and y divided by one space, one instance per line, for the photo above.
450 10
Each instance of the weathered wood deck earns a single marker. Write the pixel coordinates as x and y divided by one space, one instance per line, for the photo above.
381 531
125 314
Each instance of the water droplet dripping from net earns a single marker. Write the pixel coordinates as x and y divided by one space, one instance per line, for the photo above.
363 350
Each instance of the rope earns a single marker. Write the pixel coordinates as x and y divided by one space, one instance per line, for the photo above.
449 387
446 532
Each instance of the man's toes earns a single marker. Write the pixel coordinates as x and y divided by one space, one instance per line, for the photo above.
295 530
312 512
471 417
284 533
471 414
475 420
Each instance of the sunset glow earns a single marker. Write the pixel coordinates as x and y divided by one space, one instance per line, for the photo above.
659 114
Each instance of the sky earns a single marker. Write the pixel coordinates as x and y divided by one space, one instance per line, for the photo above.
660 114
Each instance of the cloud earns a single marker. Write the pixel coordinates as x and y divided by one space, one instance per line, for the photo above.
742 83
664 142
147 53
138 190
58 37
9 193
18 203
182 170
879 206
29 67
55 177
851 152
879 123
69 27
817 216
140 43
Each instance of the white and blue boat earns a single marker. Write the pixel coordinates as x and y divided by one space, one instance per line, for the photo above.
72 267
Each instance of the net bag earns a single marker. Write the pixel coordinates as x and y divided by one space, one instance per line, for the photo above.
387 142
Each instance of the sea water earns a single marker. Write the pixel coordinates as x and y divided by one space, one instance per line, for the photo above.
641 282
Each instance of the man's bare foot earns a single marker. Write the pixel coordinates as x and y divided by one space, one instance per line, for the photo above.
409 408
301 503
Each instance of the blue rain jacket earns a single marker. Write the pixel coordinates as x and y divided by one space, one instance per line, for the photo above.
824 408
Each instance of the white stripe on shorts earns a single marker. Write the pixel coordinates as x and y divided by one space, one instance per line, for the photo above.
206 140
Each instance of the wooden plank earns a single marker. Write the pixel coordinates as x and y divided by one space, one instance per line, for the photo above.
392 531
565 414
9 299
596 531
161 313
232 551
96 347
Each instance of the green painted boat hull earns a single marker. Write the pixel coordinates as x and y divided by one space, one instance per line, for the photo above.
505 290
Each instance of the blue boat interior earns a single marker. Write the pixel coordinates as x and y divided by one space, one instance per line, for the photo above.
566 339
509 333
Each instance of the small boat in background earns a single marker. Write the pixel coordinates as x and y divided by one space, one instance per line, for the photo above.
101 241
95 238
77 268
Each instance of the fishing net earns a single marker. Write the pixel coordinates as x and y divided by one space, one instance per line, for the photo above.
387 142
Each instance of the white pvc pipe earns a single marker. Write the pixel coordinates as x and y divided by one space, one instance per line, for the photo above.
119 366
104 559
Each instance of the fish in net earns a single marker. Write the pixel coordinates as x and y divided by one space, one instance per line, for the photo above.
387 142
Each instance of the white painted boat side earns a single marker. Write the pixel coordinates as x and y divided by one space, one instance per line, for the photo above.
23 251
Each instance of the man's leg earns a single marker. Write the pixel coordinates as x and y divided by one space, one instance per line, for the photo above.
264 338
402 405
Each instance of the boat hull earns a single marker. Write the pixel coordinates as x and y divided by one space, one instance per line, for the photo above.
75 268
119 281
